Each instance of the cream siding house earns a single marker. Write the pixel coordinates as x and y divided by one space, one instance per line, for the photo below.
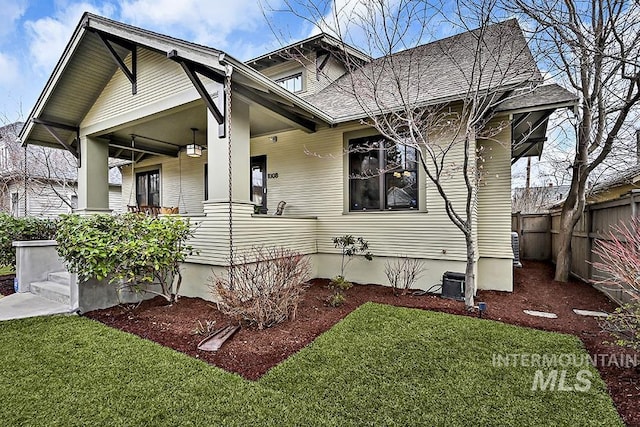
141 98
46 186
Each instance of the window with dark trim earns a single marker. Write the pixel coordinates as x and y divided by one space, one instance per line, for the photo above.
148 188
291 83
382 175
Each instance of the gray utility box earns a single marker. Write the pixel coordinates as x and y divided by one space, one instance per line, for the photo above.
453 285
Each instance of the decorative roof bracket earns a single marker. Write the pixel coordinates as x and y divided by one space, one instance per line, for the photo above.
132 74
51 128
296 120
193 70
321 65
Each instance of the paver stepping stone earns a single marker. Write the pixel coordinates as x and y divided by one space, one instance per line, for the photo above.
541 314
590 313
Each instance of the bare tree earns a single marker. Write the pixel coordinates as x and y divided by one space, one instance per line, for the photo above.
44 173
593 47
439 99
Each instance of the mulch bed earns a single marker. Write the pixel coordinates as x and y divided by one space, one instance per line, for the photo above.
251 352
6 285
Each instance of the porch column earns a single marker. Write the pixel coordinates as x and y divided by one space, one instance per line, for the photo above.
218 156
93 176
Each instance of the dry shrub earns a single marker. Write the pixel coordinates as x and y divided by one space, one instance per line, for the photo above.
619 266
620 256
264 286
402 273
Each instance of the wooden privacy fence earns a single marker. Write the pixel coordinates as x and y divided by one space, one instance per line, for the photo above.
538 233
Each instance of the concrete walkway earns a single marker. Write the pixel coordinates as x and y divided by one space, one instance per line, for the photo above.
22 305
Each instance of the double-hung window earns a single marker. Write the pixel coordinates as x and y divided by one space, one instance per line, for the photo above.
382 175
291 83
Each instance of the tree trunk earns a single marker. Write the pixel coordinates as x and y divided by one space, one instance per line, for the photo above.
469 276
571 213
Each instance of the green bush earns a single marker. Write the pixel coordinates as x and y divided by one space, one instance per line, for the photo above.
349 247
14 229
624 325
131 250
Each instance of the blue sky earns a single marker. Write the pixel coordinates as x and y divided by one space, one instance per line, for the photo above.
33 34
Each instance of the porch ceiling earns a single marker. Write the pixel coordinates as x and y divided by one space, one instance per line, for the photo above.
167 133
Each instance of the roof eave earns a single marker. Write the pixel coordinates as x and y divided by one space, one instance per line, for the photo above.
53 79
267 83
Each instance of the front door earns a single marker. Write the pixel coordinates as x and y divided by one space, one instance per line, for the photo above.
258 178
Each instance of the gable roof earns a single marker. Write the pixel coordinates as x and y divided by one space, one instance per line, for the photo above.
86 67
320 41
437 72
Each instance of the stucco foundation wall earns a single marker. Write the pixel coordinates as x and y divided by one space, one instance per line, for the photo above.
196 278
372 272
495 274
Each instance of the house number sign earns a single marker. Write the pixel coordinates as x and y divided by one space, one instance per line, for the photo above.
273 175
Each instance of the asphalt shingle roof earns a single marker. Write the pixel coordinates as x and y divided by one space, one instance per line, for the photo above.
435 72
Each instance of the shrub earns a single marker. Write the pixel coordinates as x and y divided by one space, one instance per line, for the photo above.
15 229
402 273
619 266
131 250
620 256
349 247
264 286
624 325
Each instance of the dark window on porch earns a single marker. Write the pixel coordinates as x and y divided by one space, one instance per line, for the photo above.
148 188
382 175
14 204
206 181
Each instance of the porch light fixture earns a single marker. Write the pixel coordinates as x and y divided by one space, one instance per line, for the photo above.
273 138
193 149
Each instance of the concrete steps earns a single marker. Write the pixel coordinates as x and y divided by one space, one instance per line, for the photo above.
62 277
56 288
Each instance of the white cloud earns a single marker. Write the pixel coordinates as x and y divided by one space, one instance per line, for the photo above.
209 23
10 12
10 70
49 35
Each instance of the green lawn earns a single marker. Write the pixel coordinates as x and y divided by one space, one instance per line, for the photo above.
380 366
6 270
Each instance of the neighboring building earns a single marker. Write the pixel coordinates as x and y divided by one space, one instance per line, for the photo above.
47 186
128 93
617 185
536 200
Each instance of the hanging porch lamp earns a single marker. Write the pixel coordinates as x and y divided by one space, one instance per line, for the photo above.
193 149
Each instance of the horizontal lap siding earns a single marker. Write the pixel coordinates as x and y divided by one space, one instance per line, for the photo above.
494 198
212 233
158 78
311 181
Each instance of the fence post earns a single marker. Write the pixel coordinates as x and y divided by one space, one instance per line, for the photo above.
589 220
